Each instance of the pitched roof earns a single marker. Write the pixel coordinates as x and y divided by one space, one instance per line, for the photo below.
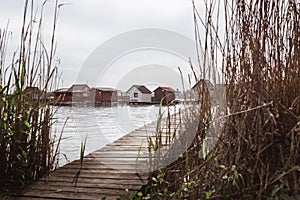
207 82
105 89
79 88
31 89
61 90
167 89
141 88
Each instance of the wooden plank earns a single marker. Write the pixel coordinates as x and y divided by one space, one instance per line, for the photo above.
107 165
98 171
111 185
68 180
121 170
97 175
58 189
118 155
118 152
67 195
123 148
31 198
95 161
131 140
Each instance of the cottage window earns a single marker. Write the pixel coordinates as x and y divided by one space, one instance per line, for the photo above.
135 95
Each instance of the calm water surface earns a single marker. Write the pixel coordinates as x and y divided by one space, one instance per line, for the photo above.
101 125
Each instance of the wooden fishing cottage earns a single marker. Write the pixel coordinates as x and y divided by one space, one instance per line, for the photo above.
103 96
139 94
200 88
165 93
83 94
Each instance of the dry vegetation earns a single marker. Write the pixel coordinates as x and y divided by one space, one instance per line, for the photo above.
258 153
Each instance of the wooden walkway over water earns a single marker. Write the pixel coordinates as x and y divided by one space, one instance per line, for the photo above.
108 172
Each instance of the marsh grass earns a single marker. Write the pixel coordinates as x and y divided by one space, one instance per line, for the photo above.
27 149
257 155
81 159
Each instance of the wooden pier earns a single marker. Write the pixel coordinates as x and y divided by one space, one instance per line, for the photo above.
116 170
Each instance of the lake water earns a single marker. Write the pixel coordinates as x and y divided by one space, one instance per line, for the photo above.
101 125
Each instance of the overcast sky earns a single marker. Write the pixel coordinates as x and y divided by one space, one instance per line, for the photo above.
87 29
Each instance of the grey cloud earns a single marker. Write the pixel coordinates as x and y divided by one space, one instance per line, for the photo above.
86 24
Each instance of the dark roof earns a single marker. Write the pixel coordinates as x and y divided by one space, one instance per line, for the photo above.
144 90
207 82
141 88
167 89
61 90
105 89
31 89
79 88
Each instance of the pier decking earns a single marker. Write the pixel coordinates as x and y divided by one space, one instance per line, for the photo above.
118 169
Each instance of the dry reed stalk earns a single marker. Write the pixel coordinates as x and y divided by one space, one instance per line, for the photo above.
257 155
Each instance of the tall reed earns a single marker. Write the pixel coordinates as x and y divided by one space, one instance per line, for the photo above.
257 155
26 143
263 72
